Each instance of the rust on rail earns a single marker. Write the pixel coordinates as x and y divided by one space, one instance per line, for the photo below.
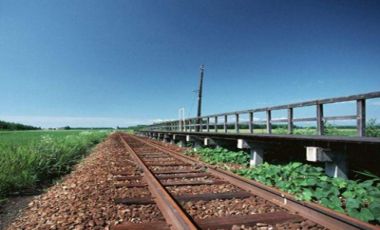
174 215
314 212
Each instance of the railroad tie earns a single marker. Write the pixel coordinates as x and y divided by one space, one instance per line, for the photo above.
187 197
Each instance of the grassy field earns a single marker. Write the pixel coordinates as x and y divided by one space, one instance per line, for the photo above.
24 137
29 159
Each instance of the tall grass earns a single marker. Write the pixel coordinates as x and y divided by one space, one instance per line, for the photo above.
26 164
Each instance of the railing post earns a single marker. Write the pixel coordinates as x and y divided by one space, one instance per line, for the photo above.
361 114
250 124
200 123
290 121
225 124
320 123
269 118
237 123
216 124
208 124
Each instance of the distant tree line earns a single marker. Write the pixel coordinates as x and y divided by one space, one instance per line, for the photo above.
132 128
16 126
85 128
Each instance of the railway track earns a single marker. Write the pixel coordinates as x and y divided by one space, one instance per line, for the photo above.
193 195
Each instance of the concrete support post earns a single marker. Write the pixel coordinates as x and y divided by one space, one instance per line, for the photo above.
196 142
211 143
257 156
181 143
256 152
219 143
180 139
335 161
167 138
207 141
337 168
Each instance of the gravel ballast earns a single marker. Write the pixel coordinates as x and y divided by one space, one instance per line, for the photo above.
84 199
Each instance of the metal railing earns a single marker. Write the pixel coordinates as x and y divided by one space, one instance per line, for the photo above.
211 123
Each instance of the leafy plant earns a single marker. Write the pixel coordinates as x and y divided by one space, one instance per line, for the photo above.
221 155
360 200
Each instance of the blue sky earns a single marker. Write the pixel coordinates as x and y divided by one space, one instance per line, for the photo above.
108 63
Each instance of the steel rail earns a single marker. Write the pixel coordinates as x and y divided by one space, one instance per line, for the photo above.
172 212
314 212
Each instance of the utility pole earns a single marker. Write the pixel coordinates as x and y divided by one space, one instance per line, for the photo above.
199 111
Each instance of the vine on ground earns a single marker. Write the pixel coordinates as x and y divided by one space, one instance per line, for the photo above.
360 200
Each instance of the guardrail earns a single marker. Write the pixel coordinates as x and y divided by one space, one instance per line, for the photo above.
211 123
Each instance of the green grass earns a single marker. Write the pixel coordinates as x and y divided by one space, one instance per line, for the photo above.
24 137
29 159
